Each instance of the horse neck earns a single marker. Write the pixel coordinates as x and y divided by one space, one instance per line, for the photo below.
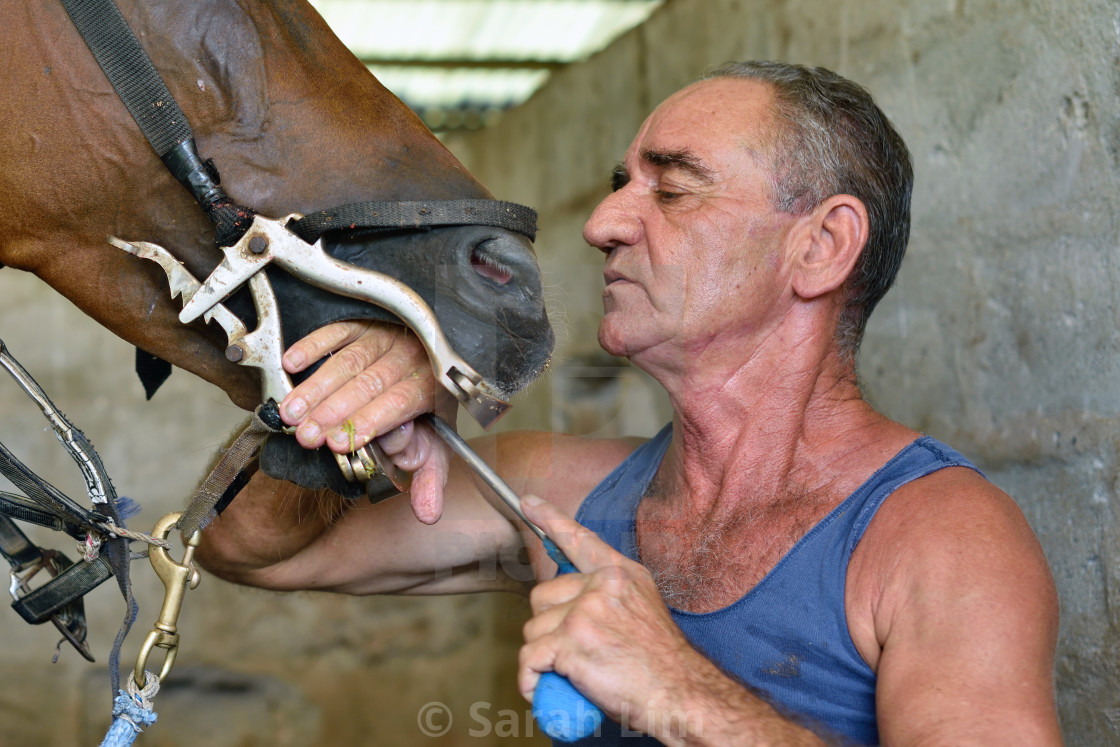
292 119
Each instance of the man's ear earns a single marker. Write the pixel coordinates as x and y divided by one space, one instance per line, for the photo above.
828 243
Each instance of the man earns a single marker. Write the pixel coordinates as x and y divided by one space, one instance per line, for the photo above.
808 568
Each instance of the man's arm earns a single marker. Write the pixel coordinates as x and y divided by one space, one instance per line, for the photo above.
957 614
608 631
276 535
952 602
279 536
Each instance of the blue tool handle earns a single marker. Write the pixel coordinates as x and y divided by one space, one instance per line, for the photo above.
561 710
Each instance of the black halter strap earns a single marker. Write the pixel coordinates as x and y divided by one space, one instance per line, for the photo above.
388 215
59 600
145 95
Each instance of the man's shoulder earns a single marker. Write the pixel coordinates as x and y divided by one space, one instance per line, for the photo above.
939 544
953 494
947 507
950 530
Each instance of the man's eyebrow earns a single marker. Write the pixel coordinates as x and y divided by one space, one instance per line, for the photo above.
684 160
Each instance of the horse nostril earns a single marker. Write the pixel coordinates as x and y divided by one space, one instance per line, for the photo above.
488 267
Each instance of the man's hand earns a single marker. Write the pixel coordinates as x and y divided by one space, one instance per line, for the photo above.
606 629
376 380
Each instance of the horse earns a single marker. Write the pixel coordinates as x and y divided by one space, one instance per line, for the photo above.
294 124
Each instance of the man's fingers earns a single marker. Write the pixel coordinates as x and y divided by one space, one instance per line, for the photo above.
532 660
361 392
553 651
400 403
583 547
428 482
333 375
366 358
326 339
551 595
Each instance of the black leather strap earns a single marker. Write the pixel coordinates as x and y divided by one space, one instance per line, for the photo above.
130 71
20 508
16 548
60 599
416 215
165 126
39 491
75 581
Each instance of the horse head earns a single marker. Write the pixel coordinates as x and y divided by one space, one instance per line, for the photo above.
294 123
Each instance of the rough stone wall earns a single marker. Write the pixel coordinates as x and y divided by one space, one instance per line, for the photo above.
1000 338
1001 335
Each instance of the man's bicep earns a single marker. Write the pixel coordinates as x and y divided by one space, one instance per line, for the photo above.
968 622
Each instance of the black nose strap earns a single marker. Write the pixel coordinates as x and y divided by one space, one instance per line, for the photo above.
418 215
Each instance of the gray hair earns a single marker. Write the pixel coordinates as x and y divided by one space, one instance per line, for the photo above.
833 139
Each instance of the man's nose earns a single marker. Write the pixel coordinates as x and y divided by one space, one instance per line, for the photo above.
614 222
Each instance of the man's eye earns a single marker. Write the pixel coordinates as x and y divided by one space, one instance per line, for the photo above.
666 196
619 178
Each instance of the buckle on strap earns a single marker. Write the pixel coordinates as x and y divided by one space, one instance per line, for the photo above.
60 599
70 582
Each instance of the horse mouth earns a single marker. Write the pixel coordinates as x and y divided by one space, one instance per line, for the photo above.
482 284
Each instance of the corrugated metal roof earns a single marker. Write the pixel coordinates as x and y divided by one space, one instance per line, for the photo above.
459 63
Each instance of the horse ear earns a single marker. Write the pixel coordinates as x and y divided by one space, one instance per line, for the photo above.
152 370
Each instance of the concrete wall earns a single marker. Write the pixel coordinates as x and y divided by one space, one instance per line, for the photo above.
1001 338
1001 335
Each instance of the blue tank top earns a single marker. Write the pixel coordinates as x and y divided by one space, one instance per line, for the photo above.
787 638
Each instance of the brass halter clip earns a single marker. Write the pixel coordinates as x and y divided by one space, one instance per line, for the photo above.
177 578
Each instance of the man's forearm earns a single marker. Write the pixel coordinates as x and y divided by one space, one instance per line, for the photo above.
713 710
268 522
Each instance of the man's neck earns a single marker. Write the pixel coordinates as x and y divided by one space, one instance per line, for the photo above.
788 420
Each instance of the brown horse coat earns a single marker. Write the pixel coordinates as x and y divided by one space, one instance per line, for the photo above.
294 123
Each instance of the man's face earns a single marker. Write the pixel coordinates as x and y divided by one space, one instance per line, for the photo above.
693 245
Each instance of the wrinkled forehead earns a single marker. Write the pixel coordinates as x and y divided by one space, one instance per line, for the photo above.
716 119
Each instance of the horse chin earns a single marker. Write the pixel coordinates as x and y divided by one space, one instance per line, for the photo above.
508 351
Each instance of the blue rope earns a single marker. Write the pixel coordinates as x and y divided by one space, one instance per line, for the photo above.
130 712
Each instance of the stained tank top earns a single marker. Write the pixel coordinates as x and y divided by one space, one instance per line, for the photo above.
787 638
